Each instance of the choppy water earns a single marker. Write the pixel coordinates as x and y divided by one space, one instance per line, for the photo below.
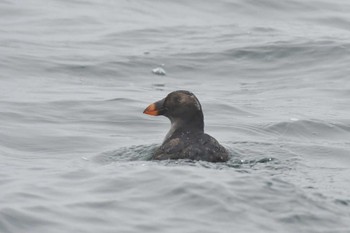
273 80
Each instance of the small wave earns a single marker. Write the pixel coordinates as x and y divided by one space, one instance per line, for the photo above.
309 129
133 153
226 108
250 163
342 202
290 49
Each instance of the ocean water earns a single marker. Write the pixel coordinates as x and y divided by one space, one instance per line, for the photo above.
273 80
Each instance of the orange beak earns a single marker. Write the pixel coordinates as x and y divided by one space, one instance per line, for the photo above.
151 110
155 109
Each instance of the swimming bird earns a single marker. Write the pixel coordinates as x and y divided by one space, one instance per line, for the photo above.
186 138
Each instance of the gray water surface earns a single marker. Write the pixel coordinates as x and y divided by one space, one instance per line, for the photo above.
273 81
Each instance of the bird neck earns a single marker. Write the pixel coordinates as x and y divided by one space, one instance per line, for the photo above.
192 125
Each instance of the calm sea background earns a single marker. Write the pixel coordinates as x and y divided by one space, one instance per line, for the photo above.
273 78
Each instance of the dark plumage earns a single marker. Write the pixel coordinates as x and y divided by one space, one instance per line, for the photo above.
186 138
